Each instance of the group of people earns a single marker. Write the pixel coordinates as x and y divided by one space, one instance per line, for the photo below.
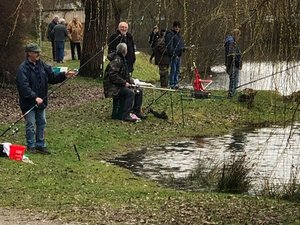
34 75
57 34
167 46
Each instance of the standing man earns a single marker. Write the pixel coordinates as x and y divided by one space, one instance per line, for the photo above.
32 79
162 59
50 37
152 40
123 36
175 46
233 60
60 33
75 31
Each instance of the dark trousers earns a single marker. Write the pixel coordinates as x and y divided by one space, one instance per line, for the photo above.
133 100
53 50
153 54
164 75
78 47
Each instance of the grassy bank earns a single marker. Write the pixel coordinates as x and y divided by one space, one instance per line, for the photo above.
95 192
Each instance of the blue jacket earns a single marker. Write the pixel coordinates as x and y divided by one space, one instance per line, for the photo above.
174 43
233 55
32 81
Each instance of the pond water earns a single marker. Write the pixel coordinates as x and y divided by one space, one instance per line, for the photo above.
281 77
273 154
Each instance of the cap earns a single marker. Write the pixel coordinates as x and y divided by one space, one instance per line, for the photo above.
32 47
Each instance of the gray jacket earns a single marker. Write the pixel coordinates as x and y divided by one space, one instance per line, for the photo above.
59 32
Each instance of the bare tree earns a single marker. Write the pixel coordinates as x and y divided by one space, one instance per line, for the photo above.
91 62
14 25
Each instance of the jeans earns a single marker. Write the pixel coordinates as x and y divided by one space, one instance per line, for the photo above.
234 78
133 100
60 50
174 72
35 137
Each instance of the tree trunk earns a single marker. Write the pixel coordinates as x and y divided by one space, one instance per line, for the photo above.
91 63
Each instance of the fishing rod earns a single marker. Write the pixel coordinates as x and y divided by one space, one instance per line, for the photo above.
36 105
165 91
52 91
262 78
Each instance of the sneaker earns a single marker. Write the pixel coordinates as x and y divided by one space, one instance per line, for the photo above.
42 150
129 119
132 118
31 150
141 115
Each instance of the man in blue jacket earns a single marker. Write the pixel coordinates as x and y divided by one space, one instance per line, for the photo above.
175 47
32 80
233 60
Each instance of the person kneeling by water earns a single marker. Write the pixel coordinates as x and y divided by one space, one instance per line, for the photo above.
117 83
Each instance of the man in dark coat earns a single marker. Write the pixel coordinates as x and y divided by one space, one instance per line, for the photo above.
50 36
152 40
233 60
32 80
118 83
175 46
123 36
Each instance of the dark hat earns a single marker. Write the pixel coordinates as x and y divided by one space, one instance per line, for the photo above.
32 47
176 24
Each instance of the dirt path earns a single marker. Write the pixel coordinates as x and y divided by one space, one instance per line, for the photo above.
18 217
70 94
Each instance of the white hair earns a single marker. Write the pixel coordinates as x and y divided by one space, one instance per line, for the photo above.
62 21
121 48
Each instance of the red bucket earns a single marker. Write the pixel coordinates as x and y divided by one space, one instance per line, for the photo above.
16 152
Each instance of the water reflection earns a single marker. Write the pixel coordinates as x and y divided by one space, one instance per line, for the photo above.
273 154
286 77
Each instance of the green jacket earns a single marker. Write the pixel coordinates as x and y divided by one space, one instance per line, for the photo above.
116 75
